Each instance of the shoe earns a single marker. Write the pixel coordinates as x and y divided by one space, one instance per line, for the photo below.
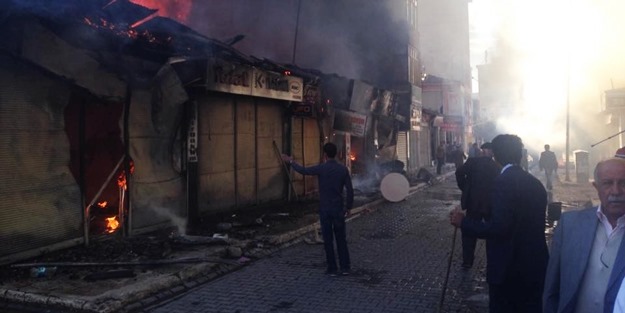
344 272
331 273
466 266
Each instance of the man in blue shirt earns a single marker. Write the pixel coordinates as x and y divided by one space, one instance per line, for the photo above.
333 177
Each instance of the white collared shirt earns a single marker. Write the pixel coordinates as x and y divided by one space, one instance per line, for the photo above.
509 165
609 231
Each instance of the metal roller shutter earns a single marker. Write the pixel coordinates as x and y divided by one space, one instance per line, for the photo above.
402 148
41 203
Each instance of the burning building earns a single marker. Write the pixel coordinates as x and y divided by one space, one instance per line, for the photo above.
117 121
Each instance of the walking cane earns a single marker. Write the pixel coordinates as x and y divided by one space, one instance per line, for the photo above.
451 254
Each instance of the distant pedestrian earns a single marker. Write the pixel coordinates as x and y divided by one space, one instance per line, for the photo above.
474 151
549 163
458 156
333 179
440 158
475 179
516 249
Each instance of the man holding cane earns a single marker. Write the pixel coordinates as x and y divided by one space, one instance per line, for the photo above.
516 250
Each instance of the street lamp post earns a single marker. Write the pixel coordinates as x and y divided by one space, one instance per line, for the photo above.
568 84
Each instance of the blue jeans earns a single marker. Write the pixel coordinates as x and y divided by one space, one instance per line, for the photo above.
548 173
439 165
333 226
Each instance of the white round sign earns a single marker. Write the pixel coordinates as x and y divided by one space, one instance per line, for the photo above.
394 187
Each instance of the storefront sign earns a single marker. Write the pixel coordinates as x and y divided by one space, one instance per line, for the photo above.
416 108
415 118
309 103
350 122
615 99
362 99
192 134
246 80
304 110
452 123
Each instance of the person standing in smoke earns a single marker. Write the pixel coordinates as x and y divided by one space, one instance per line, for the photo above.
333 178
440 158
458 156
549 163
474 151
475 179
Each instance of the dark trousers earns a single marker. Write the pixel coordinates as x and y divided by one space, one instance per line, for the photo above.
468 249
468 242
548 174
515 296
333 226
439 165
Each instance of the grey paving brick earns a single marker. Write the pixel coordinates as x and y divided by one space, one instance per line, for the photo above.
399 254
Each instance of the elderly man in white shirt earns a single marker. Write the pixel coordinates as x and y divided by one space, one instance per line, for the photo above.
587 260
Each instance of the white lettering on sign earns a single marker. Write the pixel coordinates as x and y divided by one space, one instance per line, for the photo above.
245 80
350 122
192 134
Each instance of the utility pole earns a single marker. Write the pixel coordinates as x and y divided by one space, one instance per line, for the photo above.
299 6
568 92
568 83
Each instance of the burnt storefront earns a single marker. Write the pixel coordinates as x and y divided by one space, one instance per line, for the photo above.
116 122
109 130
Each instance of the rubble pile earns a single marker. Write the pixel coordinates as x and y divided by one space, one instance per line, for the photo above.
224 235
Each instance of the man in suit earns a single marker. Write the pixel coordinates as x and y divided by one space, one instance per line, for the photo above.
475 178
516 250
549 163
587 260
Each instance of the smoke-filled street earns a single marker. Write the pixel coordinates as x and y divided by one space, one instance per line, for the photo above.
399 254
180 155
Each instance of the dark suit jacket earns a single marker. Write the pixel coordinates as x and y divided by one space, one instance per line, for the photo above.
475 178
516 249
548 160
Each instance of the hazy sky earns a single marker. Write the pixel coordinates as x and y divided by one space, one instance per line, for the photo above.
554 41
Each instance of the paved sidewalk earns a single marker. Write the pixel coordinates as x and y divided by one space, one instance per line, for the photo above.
154 285
64 292
399 257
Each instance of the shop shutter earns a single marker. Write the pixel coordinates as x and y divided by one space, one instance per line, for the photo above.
238 164
425 146
414 141
41 204
402 148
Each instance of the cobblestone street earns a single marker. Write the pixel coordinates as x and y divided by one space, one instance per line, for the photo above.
399 256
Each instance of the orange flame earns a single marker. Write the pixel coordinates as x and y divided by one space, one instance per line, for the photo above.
121 179
352 157
174 9
102 204
111 224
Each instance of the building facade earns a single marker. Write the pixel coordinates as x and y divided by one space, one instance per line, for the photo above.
377 44
445 54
